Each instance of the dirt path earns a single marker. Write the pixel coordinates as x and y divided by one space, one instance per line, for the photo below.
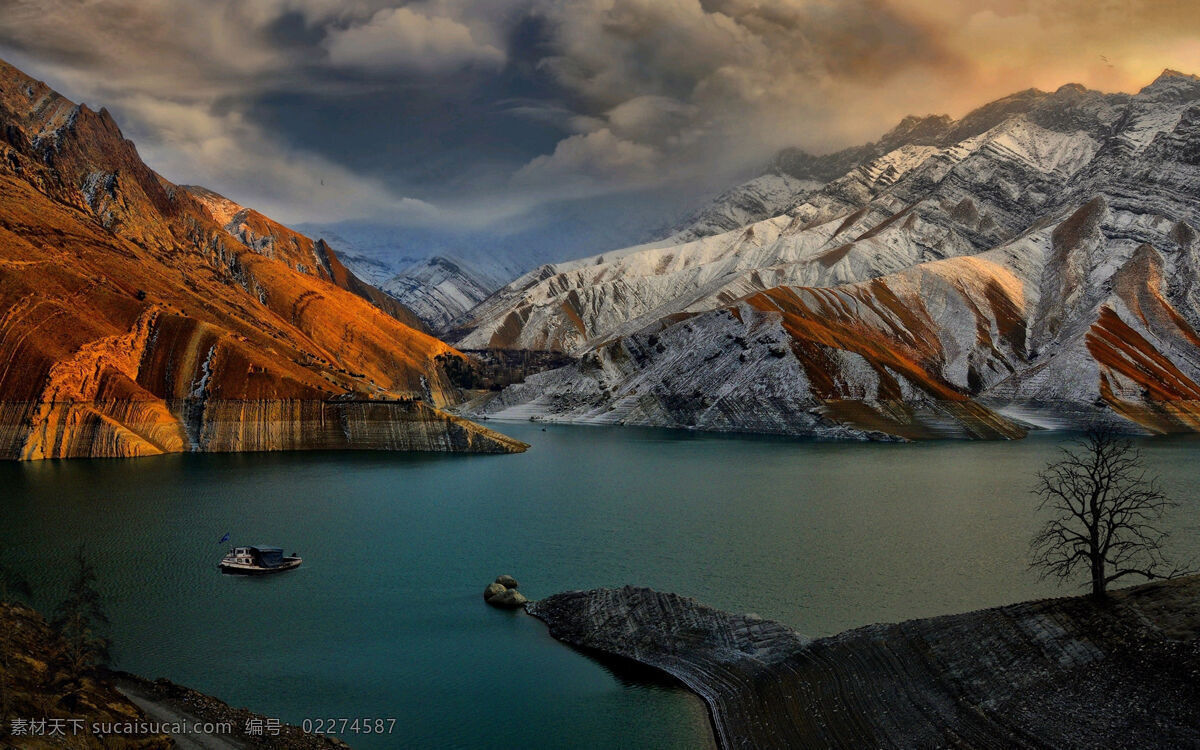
158 711
165 701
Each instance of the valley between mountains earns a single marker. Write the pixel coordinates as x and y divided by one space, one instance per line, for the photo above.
1033 264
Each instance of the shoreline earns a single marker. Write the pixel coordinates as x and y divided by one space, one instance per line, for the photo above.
131 711
1053 672
164 701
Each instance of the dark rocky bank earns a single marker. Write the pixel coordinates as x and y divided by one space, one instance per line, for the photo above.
1056 673
38 686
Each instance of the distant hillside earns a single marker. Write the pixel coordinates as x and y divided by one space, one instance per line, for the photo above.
37 680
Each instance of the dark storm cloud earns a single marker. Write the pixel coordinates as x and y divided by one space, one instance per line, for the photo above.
453 111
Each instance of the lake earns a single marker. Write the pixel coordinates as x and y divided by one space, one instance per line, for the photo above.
386 619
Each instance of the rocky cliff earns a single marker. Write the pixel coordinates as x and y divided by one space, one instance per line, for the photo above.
1063 673
1033 263
270 238
135 319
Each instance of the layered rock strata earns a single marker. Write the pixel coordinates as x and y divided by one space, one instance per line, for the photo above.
136 318
1063 673
1033 264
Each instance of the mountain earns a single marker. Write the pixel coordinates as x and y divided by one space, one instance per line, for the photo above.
374 272
565 306
439 290
270 238
442 272
138 319
504 249
436 290
794 173
1033 263
770 194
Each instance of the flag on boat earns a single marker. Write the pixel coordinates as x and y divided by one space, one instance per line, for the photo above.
224 538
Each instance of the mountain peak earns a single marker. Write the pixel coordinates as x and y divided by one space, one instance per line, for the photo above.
1169 73
918 127
131 299
1173 84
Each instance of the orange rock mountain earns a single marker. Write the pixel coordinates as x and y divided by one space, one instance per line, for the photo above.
140 317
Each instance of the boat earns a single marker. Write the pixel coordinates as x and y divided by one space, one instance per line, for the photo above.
258 559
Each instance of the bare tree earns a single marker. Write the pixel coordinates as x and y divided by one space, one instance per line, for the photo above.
1105 512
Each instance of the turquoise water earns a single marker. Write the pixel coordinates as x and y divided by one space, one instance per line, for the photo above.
385 618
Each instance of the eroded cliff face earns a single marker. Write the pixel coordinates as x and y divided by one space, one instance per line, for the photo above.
1034 264
119 428
131 319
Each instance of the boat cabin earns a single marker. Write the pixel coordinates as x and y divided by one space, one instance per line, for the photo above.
268 557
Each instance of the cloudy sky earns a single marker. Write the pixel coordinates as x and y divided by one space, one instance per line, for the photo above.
478 111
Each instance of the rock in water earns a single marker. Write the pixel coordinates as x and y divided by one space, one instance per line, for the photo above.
503 593
508 599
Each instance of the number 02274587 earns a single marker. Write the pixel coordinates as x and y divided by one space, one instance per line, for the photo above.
346 725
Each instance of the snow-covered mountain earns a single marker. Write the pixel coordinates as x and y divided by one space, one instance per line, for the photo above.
557 231
440 290
794 174
370 270
1033 262
769 194
461 265
847 231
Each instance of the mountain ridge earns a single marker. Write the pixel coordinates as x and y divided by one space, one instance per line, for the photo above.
270 238
1043 243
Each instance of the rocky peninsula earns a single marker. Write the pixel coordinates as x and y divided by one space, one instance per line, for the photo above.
1063 673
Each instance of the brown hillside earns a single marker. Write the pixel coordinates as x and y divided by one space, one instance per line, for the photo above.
129 317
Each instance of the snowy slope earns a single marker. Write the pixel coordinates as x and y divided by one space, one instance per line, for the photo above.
439 289
1040 270
913 204
767 195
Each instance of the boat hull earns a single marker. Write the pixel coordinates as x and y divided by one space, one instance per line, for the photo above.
257 570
